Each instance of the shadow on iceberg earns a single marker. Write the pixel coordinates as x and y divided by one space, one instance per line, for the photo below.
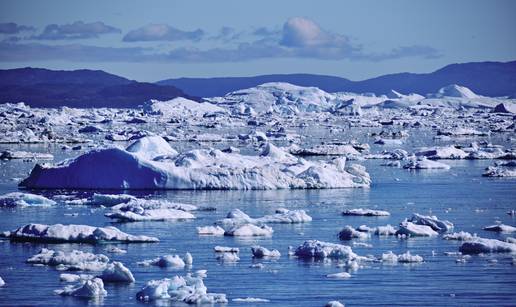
150 163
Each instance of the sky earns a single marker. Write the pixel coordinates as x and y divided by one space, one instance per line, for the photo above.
156 40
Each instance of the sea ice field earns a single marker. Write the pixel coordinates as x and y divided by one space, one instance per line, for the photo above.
277 195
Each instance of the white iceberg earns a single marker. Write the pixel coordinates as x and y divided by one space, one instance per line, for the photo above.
249 230
407 257
59 233
197 169
348 233
447 152
166 261
459 236
334 304
250 300
414 230
500 228
188 289
92 288
210 230
341 275
320 250
365 212
482 245
116 272
18 199
262 252
425 164
2 282
432 221
72 261
150 210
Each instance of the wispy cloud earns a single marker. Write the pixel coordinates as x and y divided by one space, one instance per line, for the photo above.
161 32
14 28
76 30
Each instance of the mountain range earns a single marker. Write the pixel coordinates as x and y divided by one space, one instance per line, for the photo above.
485 78
95 88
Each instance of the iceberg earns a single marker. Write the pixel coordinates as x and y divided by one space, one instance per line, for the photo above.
365 212
414 230
116 272
210 231
91 288
70 261
320 250
501 228
2 282
407 257
447 152
425 164
59 233
166 261
341 275
482 245
262 252
432 221
348 233
188 289
17 199
197 169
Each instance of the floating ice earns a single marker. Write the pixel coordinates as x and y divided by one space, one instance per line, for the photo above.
238 217
165 261
501 228
262 252
117 272
226 249
150 210
72 261
67 277
91 288
318 250
250 300
188 289
198 169
18 199
425 164
413 230
2 282
482 245
334 304
210 230
432 221
227 257
507 169
341 275
459 236
249 230
24 155
59 233
449 152
348 233
407 257
365 212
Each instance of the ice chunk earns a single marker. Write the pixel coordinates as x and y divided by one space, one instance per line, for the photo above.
67 277
449 152
249 230
18 199
262 252
227 257
25 155
348 233
386 230
334 304
432 221
117 272
425 164
188 289
459 236
59 233
165 261
210 230
89 289
407 257
365 212
500 228
226 249
152 147
341 275
2 282
413 230
318 249
482 245
250 300
73 261
237 217
138 213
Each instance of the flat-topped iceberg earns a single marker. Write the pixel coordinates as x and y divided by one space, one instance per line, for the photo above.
320 250
237 217
18 199
197 169
500 228
482 245
188 289
150 210
71 261
365 212
59 233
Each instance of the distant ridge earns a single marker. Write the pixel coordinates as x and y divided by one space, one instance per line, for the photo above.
484 78
83 88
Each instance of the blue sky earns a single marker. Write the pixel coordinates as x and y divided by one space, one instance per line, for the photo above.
154 40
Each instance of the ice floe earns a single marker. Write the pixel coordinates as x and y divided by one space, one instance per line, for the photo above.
348 233
320 250
500 228
210 230
71 261
188 289
59 233
166 261
365 212
116 272
432 221
414 230
425 164
262 252
18 199
91 288
482 245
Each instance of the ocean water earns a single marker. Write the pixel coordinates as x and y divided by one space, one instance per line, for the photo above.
460 195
